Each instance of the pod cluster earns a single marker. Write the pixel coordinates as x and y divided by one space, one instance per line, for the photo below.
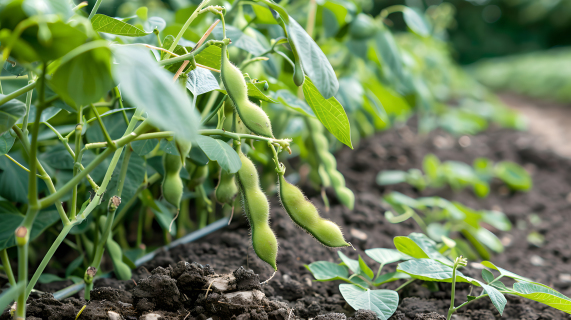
253 117
172 183
326 166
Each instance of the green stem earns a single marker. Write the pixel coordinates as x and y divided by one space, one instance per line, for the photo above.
95 8
22 278
123 172
213 112
185 26
47 257
405 284
103 129
7 267
17 93
77 162
451 310
191 54
146 136
28 104
379 271
238 136
467 302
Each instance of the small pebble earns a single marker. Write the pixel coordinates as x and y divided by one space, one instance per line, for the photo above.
358 234
464 141
537 261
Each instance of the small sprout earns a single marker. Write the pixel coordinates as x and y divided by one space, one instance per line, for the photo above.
89 275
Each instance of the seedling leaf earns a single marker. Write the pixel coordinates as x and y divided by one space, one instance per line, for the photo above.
383 302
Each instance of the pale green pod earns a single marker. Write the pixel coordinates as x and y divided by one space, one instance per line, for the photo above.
345 196
305 215
227 189
172 183
257 209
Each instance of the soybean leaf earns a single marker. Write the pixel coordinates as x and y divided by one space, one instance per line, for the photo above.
13 179
73 265
47 114
505 272
422 242
415 22
11 219
7 141
164 217
409 247
46 7
11 294
489 239
498 299
497 220
85 78
290 100
209 57
329 111
328 271
386 256
220 151
352 264
513 175
383 302
387 52
487 275
431 270
378 107
397 198
248 42
10 112
255 92
103 23
540 293
313 60
390 277
144 84
201 81
114 124
263 14
365 268
49 278
143 147
388 177
350 93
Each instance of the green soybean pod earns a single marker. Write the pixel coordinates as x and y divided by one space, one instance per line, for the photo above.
345 196
253 117
183 149
226 190
305 215
172 183
257 209
298 75
198 176
121 269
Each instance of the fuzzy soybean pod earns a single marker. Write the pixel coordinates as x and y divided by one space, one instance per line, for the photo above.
305 215
121 269
172 183
254 118
198 175
257 209
227 189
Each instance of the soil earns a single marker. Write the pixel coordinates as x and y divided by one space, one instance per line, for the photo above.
218 276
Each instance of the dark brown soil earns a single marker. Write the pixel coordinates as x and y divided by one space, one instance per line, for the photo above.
176 287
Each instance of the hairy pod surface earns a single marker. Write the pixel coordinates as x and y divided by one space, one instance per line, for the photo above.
345 196
198 176
305 215
257 209
254 118
227 189
183 149
172 183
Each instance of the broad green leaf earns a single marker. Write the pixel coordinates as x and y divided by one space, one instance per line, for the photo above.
388 53
45 7
436 231
314 62
487 275
13 179
378 107
350 94
352 264
431 270
145 85
505 272
515 176
201 81
383 302
545 295
85 78
249 41
416 22
470 234
263 14
498 299
114 124
10 112
73 265
497 220
489 239
365 268
7 141
209 57
180 50
390 277
329 111
143 147
11 219
328 271
386 256
409 247
256 93
103 23
164 217
10 295
288 99
220 151
388 177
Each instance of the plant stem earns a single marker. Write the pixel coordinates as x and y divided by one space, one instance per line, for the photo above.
95 8
185 26
7 267
28 104
103 129
452 309
48 256
193 53
17 93
238 136
379 271
77 161
405 284
213 112
22 278
311 17
154 178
